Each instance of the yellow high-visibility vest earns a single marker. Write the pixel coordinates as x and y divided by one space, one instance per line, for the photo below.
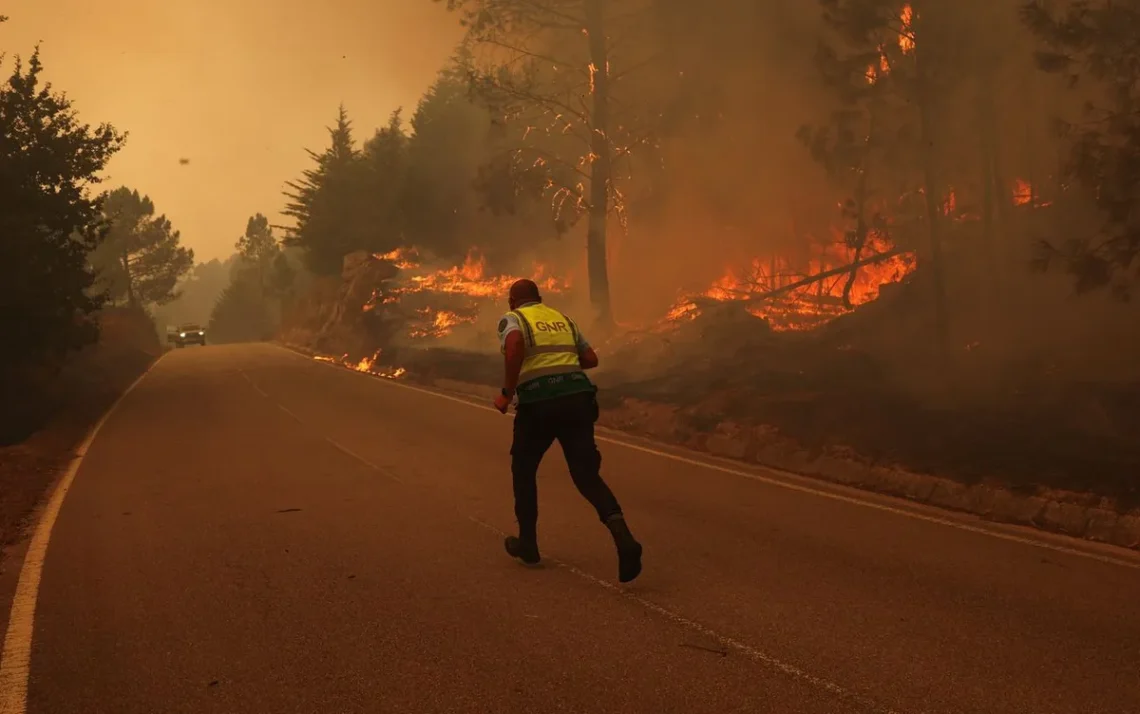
551 342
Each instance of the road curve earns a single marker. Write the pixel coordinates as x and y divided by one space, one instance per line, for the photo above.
253 531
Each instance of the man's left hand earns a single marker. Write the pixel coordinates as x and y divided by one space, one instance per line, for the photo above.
502 402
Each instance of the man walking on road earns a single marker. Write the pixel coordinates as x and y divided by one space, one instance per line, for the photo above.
546 358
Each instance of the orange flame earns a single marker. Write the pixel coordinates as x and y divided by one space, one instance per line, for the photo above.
807 306
366 365
469 279
1022 192
906 36
439 323
874 72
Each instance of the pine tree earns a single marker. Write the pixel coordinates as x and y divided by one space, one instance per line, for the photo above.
49 221
1094 43
449 144
258 249
142 258
321 202
891 66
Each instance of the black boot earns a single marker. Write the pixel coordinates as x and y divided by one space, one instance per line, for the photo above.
524 550
628 549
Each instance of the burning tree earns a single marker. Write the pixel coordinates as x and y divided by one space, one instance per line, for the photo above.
557 66
878 64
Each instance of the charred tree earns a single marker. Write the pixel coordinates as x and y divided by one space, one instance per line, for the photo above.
601 170
932 186
550 71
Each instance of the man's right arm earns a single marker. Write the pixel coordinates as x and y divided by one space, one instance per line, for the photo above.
587 358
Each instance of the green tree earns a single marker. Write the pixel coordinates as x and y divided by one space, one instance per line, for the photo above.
258 249
142 258
448 146
322 202
242 314
382 177
49 221
1095 42
198 291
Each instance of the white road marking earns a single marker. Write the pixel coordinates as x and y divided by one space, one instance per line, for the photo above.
291 414
16 655
253 384
336 445
353 455
756 655
1122 561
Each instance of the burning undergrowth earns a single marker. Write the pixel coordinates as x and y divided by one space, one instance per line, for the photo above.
435 303
391 308
368 365
833 282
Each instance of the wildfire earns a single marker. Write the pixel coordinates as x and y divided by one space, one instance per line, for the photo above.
906 36
773 291
470 279
438 323
365 364
1022 192
875 71
462 287
402 258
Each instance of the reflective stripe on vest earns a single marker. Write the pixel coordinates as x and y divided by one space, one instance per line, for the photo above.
551 342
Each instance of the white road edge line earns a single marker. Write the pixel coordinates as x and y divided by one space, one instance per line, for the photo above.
756 655
787 485
16 655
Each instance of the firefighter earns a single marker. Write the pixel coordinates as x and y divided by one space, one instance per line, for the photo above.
546 357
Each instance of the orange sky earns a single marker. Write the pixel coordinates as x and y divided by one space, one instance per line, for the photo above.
239 87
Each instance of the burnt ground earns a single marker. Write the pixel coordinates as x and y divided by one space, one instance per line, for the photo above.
1027 444
56 410
1026 427
855 387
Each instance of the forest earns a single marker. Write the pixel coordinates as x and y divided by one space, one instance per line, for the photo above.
904 231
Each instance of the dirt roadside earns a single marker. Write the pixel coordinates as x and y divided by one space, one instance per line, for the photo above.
88 384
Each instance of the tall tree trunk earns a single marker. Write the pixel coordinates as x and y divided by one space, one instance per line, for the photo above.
131 299
990 189
861 227
860 234
932 194
601 167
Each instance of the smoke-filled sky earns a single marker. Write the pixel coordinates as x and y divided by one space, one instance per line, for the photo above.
238 87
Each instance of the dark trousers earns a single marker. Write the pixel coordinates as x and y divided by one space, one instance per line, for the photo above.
569 419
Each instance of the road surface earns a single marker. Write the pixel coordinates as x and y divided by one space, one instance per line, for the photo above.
253 531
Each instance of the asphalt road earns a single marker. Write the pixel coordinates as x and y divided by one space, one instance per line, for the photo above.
253 531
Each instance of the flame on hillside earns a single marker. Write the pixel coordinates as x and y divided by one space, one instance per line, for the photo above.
467 280
402 258
906 34
771 288
905 41
471 279
437 323
364 364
